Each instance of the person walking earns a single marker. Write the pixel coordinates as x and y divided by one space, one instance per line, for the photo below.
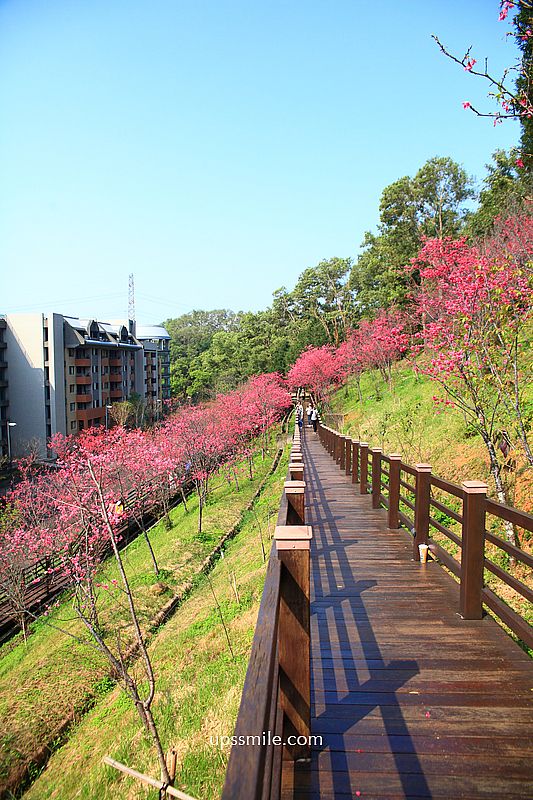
300 415
314 418
308 411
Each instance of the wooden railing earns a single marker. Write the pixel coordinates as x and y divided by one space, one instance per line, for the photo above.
42 580
415 498
275 703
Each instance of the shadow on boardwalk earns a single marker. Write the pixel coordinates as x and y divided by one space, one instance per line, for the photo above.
410 700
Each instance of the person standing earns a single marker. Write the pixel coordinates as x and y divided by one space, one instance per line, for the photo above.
308 411
314 418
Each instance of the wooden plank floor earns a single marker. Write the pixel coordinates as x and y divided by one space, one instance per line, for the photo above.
411 700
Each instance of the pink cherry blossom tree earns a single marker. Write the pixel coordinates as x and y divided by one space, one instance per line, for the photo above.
318 369
475 309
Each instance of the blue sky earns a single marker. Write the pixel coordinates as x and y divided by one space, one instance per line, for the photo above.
217 148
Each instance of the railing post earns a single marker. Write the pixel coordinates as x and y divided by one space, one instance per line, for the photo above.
295 492
473 549
296 470
342 455
363 467
376 476
422 497
348 444
294 653
355 461
393 521
337 447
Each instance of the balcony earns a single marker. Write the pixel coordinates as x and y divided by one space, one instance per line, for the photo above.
83 380
90 413
116 394
82 362
83 397
115 362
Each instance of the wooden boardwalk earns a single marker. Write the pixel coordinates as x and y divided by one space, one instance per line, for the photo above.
411 700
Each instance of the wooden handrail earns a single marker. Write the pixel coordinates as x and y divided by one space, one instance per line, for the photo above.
476 507
275 700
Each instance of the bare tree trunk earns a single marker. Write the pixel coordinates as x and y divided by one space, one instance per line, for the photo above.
495 469
151 549
148 720
522 434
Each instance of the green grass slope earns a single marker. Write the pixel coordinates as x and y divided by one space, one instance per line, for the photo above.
53 678
404 419
199 682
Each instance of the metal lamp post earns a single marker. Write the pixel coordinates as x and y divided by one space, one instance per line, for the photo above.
9 425
107 409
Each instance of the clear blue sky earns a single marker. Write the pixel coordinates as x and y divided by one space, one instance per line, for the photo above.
217 148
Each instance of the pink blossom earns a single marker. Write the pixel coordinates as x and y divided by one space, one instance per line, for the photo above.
506 7
469 65
466 104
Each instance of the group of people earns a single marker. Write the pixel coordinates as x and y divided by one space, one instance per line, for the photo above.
312 415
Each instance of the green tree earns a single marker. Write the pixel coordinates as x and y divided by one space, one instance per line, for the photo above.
192 334
523 25
430 204
504 189
322 294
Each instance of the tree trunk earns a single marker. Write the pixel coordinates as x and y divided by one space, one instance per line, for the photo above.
184 500
495 469
151 549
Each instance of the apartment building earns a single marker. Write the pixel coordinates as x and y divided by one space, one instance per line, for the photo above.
155 340
65 373
3 390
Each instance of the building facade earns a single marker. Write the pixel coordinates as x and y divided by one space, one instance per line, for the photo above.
65 374
155 340
4 402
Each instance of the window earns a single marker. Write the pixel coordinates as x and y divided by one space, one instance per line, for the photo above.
95 351
72 388
95 368
73 425
105 386
71 352
73 406
72 370
96 386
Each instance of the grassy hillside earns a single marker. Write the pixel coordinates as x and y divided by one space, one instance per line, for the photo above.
52 677
404 419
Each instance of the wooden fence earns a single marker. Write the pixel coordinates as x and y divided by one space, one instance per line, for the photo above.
275 703
42 580
422 502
